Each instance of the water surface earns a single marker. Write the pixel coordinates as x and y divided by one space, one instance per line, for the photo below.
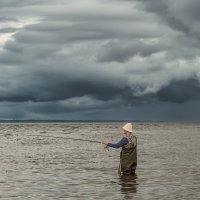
39 162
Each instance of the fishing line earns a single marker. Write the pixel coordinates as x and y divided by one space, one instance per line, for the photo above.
68 138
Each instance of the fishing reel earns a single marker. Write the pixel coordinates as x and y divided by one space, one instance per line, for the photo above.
107 147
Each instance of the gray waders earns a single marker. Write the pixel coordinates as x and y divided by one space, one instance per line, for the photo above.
128 156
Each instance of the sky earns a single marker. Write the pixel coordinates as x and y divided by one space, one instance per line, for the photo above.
100 60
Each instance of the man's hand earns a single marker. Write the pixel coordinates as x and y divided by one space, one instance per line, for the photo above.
105 142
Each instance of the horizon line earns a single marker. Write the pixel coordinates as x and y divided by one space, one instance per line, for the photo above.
90 120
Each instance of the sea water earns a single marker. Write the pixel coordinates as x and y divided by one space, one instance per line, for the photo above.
45 161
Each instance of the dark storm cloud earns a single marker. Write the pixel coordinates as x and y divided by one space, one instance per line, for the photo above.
180 91
47 86
97 58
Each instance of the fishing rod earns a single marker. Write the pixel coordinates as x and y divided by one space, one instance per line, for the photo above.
75 139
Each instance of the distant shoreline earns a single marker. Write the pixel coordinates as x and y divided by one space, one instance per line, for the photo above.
91 121
66 121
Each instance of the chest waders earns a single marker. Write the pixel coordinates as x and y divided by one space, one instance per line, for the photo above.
128 156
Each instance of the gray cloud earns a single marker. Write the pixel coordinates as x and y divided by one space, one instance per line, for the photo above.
121 51
49 86
20 3
97 59
8 19
181 15
168 13
180 91
8 30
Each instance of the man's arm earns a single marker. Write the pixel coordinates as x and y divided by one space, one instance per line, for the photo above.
121 143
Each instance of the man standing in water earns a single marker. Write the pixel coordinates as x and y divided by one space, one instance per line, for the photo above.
128 155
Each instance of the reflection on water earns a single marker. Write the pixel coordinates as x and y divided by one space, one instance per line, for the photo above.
43 161
128 185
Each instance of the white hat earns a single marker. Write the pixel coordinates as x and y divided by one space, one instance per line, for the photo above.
128 127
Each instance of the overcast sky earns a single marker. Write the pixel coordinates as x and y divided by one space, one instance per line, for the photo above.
100 59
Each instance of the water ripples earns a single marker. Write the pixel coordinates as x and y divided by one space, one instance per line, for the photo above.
39 162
